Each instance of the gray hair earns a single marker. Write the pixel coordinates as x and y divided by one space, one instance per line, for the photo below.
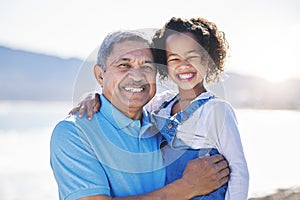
117 37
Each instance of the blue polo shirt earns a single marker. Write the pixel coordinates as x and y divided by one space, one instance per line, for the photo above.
112 155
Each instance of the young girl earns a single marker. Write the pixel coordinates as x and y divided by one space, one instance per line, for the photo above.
195 122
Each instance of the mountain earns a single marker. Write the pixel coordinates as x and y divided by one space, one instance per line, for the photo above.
253 92
32 76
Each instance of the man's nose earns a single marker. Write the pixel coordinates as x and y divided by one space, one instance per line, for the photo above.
136 74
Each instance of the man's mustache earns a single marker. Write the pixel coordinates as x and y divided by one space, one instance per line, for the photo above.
141 84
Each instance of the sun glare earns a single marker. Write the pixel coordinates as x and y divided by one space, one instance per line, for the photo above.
276 76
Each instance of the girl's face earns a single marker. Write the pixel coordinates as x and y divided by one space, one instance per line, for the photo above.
184 59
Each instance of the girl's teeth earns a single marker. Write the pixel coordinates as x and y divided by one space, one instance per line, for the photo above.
185 76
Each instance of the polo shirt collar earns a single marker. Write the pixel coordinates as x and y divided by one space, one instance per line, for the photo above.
117 118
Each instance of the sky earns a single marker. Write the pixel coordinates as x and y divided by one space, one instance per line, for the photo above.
264 35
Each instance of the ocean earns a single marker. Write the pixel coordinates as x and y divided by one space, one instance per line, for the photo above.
270 139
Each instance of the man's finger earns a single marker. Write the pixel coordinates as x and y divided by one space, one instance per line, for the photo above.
217 158
221 165
224 172
223 180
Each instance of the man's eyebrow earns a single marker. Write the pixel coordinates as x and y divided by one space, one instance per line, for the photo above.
124 59
149 62
128 60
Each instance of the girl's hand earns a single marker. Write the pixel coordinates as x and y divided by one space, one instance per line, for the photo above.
89 105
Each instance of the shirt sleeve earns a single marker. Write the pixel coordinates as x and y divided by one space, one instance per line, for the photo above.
230 145
76 169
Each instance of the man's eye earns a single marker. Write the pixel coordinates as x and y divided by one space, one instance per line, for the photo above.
147 67
124 65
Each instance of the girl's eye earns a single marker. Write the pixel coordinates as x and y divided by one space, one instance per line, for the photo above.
193 57
173 59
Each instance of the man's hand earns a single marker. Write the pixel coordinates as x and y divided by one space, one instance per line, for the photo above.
90 105
206 174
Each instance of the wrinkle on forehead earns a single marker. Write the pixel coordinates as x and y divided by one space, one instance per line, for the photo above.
132 51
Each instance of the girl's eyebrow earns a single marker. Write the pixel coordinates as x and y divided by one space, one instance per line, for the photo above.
172 54
192 51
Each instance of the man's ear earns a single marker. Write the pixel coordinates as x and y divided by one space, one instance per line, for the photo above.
99 72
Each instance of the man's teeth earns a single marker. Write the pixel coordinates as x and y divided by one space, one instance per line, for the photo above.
185 76
133 89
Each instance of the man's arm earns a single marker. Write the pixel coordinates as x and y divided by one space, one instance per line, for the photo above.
201 176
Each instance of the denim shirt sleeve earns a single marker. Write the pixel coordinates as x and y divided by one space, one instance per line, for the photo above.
76 169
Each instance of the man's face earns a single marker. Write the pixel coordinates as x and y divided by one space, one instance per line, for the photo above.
129 80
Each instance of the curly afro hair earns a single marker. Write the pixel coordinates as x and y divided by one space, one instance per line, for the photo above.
211 39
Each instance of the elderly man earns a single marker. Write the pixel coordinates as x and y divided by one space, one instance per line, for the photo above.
117 154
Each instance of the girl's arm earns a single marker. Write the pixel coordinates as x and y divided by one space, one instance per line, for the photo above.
90 103
229 143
